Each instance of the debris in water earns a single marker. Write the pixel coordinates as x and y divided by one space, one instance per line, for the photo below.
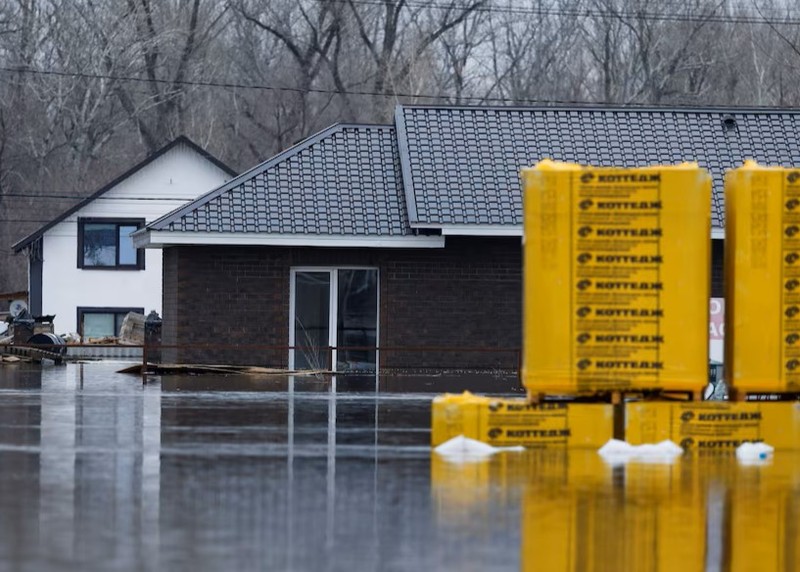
754 453
192 369
619 452
463 449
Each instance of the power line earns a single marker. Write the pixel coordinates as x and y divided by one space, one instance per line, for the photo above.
576 13
453 100
231 85
663 16
586 12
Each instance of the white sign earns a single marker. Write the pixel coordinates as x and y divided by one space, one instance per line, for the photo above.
716 342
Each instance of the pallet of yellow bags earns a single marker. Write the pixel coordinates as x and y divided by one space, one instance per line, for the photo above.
504 422
714 425
762 279
616 279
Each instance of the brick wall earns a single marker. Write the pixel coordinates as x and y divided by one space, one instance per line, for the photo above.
439 301
217 298
465 296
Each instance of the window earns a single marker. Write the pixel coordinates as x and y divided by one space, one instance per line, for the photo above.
106 244
102 322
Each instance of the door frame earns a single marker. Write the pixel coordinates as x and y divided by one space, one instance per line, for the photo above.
333 307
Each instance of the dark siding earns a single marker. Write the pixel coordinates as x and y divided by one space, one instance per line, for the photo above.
455 307
464 296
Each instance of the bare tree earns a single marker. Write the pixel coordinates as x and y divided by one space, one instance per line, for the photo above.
173 41
534 58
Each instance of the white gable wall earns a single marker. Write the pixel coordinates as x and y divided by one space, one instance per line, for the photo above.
180 175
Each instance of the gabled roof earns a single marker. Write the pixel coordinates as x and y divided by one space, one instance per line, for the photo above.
461 164
181 140
343 181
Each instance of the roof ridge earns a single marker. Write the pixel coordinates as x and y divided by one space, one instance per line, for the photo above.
597 107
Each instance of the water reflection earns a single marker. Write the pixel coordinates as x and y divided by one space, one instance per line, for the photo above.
701 513
98 471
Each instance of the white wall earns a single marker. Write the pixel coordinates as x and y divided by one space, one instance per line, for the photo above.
173 179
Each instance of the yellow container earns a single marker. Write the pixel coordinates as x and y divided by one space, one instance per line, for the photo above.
762 278
513 422
617 269
714 426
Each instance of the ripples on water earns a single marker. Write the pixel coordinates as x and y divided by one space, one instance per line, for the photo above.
100 472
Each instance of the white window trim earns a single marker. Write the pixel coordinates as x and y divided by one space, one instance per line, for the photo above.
333 307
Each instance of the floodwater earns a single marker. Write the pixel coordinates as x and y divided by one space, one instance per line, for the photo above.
101 472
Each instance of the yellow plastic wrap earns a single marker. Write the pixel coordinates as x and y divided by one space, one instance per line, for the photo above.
714 425
512 422
762 279
617 278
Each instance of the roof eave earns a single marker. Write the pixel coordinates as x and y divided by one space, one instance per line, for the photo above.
150 238
499 230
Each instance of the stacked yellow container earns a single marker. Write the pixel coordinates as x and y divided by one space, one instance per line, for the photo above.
762 279
616 278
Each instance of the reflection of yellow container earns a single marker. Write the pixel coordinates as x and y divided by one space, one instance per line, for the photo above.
463 490
762 278
650 518
559 515
616 266
764 517
717 426
510 422
669 518
466 490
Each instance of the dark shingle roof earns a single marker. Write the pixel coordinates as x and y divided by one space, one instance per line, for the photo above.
180 140
344 180
461 164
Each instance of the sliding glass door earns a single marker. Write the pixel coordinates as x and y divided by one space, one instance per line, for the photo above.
334 319
312 319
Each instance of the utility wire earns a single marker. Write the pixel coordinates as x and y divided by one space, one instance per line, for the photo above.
576 13
450 99
663 16
585 12
232 85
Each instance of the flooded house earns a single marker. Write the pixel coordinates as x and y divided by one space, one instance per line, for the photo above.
400 245
82 266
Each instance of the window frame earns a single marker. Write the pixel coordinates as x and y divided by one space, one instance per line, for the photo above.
333 308
137 222
83 310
